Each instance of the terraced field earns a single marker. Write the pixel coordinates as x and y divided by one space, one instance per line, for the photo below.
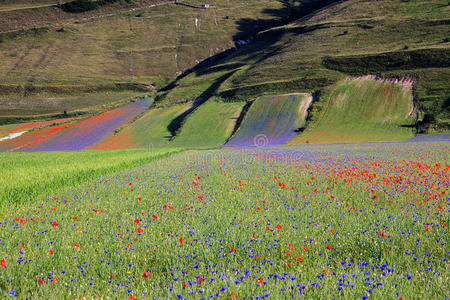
272 120
361 111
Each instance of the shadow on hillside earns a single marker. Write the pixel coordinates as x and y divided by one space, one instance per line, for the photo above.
176 123
80 6
250 39
247 30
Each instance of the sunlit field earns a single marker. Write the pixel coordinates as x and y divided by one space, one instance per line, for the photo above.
343 221
26 176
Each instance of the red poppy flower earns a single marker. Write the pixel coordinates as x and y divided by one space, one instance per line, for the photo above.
50 252
146 274
140 230
55 224
233 249
291 247
328 247
136 222
306 249
278 226
3 263
40 280
260 281
76 245
181 241
132 298
155 217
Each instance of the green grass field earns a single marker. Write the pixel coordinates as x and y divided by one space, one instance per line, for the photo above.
361 111
27 176
210 125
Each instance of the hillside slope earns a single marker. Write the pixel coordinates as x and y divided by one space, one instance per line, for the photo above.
134 45
94 47
272 120
362 110
354 37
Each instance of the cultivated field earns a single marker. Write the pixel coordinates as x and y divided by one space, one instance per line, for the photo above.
26 176
276 119
362 110
361 220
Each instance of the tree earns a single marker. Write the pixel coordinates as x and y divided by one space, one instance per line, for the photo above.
300 8
289 5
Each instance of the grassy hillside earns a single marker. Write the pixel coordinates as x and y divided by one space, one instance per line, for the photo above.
272 120
16 107
82 60
93 48
389 37
361 111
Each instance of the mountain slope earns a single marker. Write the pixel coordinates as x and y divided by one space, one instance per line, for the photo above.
133 45
354 37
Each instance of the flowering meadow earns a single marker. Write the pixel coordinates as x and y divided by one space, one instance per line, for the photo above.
365 221
62 135
272 120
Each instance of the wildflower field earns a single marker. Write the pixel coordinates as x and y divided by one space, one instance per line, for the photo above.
338 221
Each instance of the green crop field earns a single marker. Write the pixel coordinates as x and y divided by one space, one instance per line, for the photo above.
27 176
224 149
208 126
361 111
